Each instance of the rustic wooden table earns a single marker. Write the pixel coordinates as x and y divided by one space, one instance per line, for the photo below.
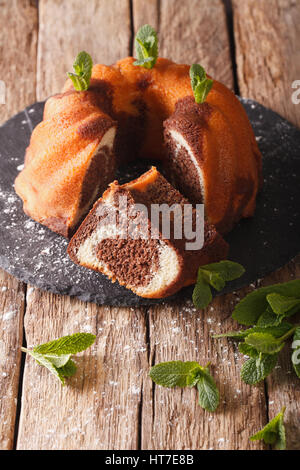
253 47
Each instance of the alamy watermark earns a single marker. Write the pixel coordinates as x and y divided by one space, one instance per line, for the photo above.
2 92
296 94
154 221
296 353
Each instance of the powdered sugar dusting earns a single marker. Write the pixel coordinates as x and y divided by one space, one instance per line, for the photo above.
36 255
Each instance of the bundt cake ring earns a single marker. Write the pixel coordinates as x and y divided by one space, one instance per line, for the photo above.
149 108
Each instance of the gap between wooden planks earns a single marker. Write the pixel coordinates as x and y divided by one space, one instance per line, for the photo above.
112 403
18 43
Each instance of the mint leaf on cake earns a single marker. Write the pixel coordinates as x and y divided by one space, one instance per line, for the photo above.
83 71
188 374
146 47
214 275
56 355
201 85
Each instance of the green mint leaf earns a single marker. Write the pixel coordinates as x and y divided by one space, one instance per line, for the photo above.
56 355
214 275
202 295
58 360
228 270
83 71
256 369
276 331
233 334
213 278
201 85
146 47
71 344
209 397
79 83
42 361
264 342
182 374
296 352
83 64
273 433
248 350
143 62
174 373
68 370
194 375
251 307
282 305
269 318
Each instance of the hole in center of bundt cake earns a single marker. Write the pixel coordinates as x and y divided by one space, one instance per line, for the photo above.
132 262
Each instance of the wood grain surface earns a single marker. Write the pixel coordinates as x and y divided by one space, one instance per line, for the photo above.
18 43
268 52
268 61
190 32
111 403
100 27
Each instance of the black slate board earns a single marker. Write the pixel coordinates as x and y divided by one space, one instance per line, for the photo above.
262 244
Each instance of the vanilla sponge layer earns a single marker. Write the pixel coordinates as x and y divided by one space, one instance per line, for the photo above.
161 277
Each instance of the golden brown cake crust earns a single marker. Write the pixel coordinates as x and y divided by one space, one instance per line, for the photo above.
136 102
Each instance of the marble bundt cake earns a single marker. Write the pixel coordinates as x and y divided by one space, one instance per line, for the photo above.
129 112
120 239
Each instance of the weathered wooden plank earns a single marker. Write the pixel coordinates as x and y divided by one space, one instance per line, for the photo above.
172 419
283 386
67 27
12 305
268 62
18 40
18 43
189 32
267 52
100 406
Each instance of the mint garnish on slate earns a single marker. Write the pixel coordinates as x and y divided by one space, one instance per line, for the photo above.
214 275
56 355
146 47
201 85
188 374
83 71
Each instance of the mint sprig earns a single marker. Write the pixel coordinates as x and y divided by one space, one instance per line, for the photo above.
214 275
146 47
276 331
201 85
258 368
188 374
56 355
273 433
255 304
83 71
265 309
